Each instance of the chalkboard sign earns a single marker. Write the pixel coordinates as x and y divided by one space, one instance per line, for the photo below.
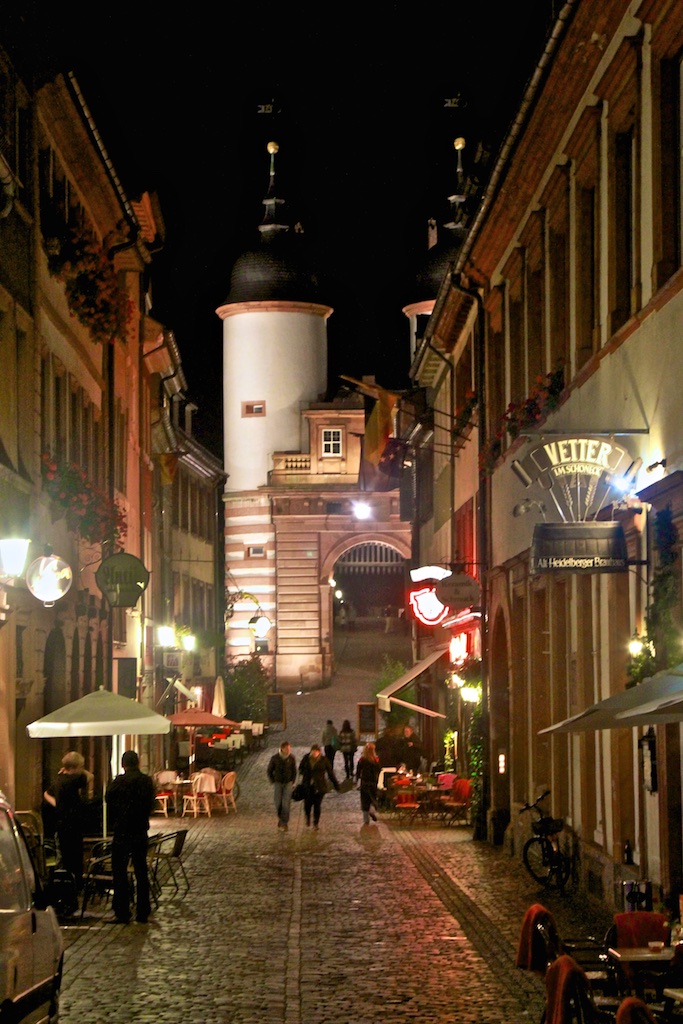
275 709
367 720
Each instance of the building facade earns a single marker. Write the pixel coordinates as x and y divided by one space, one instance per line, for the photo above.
81 394
551 361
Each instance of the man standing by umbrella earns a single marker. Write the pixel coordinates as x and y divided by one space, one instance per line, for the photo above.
130 799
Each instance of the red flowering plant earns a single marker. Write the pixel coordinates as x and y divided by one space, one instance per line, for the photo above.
92 287
520 416
89 511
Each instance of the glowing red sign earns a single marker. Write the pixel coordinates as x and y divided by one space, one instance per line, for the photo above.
427 607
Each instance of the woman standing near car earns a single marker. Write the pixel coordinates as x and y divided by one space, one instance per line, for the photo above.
315 771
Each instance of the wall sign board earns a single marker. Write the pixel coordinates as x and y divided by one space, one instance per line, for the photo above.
578 547
367 720
275 709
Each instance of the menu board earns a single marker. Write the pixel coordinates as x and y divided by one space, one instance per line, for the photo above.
367 720
275 709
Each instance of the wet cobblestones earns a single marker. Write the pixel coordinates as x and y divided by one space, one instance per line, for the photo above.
349 925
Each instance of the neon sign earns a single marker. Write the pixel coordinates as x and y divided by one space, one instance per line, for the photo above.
427 607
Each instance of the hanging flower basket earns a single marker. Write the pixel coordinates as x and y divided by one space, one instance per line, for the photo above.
520 416
88 510
91 283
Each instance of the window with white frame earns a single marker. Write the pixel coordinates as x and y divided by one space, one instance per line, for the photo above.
331 442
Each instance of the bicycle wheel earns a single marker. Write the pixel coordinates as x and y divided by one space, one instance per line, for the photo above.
561 871
537 859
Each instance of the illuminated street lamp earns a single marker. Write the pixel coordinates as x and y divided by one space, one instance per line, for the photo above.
259 625
13 552
166 636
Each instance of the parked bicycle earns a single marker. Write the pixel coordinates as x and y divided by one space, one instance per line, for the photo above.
543 858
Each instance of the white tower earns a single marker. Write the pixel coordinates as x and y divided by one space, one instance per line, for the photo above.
274 366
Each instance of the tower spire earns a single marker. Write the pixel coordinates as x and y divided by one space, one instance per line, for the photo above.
270 227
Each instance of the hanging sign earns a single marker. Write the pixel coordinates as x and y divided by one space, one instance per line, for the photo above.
122 578
458 591
580 475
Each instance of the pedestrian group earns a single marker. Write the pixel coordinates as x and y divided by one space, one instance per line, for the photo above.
317 777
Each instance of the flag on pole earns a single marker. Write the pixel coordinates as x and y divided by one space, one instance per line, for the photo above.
168 465
376 472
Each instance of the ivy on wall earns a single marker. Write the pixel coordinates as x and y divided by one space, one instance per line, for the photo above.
661 643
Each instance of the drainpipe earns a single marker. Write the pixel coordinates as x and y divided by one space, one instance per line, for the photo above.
480 825
449 368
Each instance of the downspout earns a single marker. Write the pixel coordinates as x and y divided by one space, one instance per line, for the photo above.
480 825
449 368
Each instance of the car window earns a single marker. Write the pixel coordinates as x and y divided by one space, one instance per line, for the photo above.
13 892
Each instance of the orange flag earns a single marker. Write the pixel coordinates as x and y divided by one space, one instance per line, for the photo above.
168 465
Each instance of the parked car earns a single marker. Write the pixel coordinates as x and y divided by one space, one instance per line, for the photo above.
31 943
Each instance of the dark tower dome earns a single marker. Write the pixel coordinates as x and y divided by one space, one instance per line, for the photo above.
280 266
435 264
444 250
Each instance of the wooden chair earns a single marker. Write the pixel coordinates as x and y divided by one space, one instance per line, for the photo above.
198 800
634 1011
167 862
164 793
457 804
636 928
569 999
226 791
98 879
406 804
540 945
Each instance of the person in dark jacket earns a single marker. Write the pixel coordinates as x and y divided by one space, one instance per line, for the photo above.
281 771
329 741
315 771
348 746
130 799
69 795
367 774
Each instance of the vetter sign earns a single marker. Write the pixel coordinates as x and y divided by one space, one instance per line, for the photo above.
578 474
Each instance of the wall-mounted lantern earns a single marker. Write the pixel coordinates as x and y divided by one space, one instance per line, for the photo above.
49 578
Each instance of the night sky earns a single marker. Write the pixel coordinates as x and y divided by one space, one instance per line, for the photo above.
365 102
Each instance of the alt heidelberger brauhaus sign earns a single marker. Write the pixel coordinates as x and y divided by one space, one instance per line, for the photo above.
577 476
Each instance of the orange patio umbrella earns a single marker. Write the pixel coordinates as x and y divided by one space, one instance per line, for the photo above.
196 718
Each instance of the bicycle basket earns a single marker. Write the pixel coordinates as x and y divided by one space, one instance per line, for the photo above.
547 826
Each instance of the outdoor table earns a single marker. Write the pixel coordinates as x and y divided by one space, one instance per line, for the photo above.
179 787
642 960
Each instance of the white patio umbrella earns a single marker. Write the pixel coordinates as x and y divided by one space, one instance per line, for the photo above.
218 706
101 713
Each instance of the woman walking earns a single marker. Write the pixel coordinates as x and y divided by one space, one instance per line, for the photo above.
348 746
367 774
315 771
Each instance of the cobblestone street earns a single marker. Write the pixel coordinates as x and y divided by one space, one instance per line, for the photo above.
348 924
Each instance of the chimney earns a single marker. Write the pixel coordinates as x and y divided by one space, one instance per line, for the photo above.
189 409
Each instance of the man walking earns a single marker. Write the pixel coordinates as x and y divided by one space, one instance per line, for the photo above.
330 739
130 799
281 772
